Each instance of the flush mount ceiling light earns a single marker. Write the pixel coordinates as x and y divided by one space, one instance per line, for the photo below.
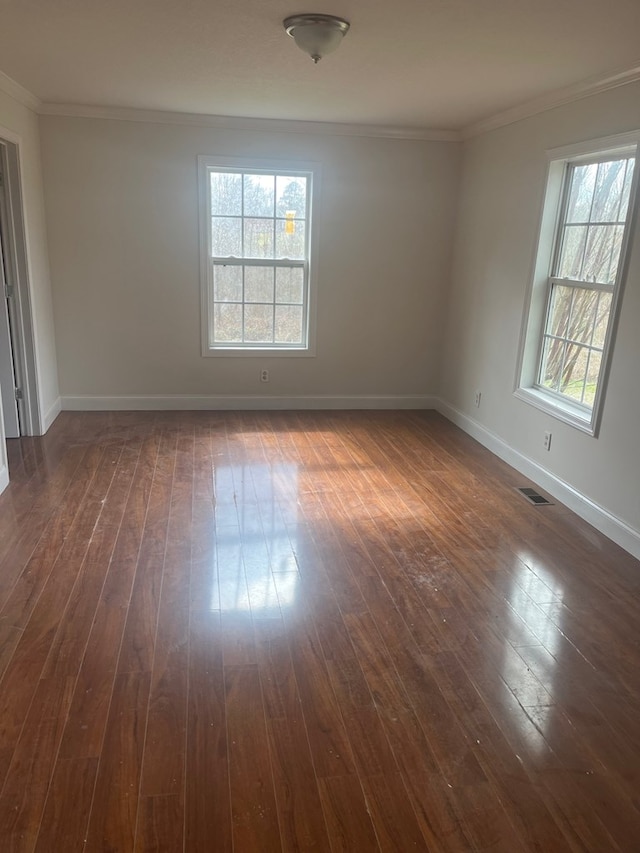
317 35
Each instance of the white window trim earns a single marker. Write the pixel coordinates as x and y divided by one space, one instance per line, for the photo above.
207 162
536 299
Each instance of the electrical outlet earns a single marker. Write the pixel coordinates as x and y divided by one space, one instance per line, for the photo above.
547 441
264 375
477 398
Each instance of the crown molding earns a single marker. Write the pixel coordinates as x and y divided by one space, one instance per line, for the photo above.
255 125
9 86
557 98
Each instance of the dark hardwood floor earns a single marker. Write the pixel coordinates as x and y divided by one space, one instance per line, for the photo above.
328 631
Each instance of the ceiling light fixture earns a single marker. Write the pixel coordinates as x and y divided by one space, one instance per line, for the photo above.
317 35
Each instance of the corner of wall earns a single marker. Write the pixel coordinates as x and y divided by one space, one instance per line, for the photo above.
51 414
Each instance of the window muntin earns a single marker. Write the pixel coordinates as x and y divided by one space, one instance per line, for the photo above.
258 240
586 269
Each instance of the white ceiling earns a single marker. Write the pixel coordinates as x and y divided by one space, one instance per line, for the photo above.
438 64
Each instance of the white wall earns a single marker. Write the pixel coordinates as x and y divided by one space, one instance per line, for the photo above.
121 201
502 186
23 123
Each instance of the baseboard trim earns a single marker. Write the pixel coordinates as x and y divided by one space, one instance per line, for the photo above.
51 414
4 478
245 403
603 520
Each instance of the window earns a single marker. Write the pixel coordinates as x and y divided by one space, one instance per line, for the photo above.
577 283
256 235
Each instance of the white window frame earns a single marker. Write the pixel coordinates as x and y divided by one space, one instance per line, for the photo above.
527 388
311 170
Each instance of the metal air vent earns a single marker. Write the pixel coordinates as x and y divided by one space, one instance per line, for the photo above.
533 497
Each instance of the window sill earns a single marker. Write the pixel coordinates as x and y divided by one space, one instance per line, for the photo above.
262 352
563 411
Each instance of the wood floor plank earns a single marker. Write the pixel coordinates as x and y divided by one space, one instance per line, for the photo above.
395 823
21 677
9 639
530 812
208 796
160 824
66 816
279 687
56 545
255 818
165 745
84 730
347 816
114 810
70 641
136 653
327 735
32 762
25 790
302 824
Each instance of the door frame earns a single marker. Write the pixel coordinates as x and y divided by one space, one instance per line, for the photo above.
9 373
16 257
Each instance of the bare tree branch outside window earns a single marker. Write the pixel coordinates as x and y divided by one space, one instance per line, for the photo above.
584 275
